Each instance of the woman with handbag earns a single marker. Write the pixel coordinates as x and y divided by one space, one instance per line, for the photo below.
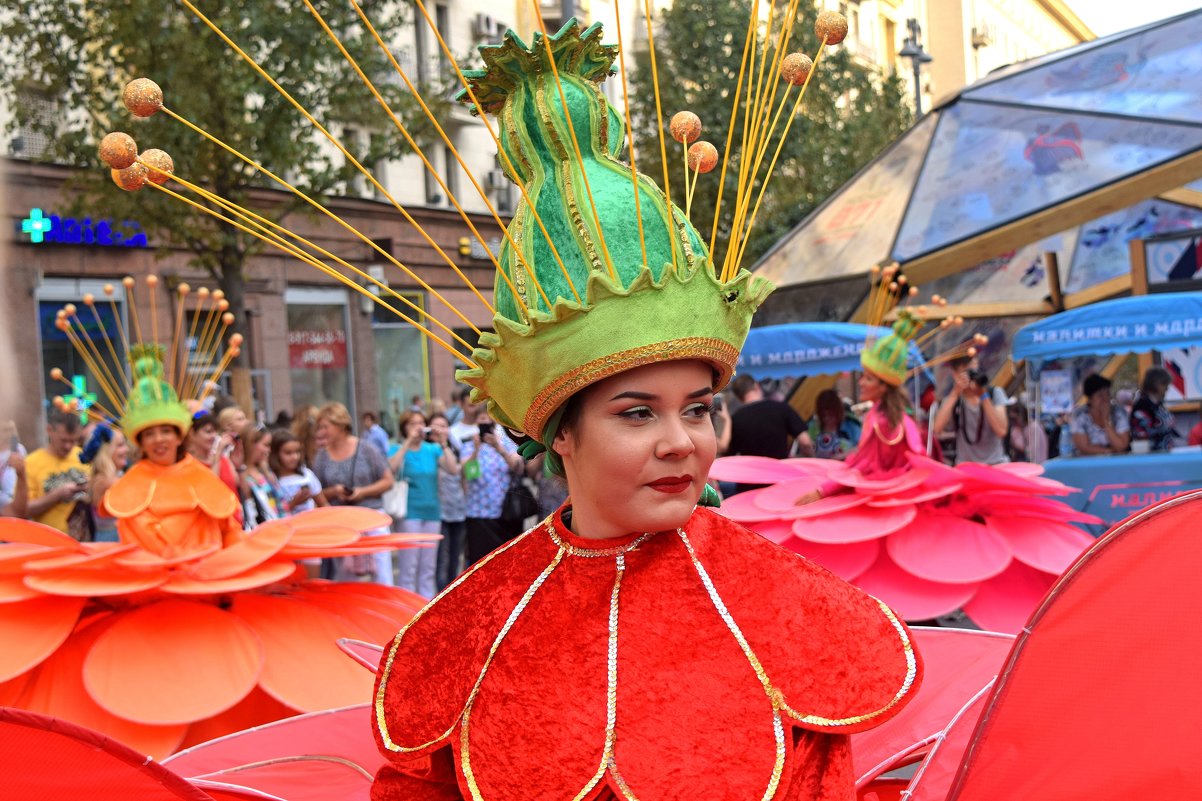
418 462
489 461
352 473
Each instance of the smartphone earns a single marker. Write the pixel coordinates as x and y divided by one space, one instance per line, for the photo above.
14 443
486 428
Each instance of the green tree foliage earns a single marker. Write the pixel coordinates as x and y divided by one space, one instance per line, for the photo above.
75 56
850 113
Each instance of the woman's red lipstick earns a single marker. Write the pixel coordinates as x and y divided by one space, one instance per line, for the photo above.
672 484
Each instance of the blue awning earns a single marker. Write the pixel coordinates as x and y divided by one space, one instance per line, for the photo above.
1126 325
796 350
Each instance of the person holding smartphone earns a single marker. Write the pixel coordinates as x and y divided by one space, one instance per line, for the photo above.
490 458
56 478
14 490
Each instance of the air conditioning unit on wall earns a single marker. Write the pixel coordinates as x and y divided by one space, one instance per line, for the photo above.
983 36
485 26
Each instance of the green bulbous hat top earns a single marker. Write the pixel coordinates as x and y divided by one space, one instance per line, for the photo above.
887 357
152 401
602 309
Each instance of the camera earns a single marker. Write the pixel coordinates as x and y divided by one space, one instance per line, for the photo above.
978 378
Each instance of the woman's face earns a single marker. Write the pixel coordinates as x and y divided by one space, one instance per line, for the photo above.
160 444
439 428
413 426
260 451
201 441
120 450
871 387
290 457
237 421
328 434
640 450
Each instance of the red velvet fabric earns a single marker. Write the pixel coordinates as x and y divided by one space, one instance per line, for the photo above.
691 711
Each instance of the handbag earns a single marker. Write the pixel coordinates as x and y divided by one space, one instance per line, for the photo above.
519 502
396 500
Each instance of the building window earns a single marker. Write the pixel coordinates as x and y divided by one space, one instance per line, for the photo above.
319 348
402 360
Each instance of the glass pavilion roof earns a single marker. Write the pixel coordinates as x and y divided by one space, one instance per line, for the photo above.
1026 140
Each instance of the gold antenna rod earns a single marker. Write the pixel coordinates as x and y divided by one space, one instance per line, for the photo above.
90 301
181 292
65 326
634 173
371 87
308 259
264 224
659 127
98 365
355 162
471 93
734 115
128 283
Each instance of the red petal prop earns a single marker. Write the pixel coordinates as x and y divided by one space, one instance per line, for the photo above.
32 630
854 525
173 661
949 549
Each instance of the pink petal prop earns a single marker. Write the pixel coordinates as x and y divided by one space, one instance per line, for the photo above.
993 478
847 562
939 471
173 661
755 470
898 483
88 582
918 495
91 557
34 629
742 508
1013 504
257 547
854 525
773 530
949 549
13 529
141 559
1044 545
783 496
262 575
1025 469
909 596
364 653
831 504
1005 603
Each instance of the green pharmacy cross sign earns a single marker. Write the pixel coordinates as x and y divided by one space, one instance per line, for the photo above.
36 225
81 395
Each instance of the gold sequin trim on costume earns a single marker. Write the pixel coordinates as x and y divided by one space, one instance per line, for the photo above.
381 721
572 550
552 397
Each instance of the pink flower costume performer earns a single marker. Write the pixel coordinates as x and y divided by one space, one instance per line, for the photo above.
925 538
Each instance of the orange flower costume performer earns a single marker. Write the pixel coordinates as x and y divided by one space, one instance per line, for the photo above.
924 537
188 628
633 645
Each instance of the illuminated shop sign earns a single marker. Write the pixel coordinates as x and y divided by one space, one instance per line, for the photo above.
43 229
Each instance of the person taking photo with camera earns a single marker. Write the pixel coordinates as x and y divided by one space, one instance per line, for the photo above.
978 415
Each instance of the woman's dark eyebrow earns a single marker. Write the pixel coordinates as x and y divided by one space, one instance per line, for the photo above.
647 396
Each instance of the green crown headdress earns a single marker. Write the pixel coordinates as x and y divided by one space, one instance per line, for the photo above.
151 393
599 271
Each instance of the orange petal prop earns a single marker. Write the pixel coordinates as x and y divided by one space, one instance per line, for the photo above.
173 661
379 620
256 709
258 576
56 688
14 588
142 559
92 557
298 633
15 530
322 537
32 630
343 517
88 583
261 544
14 556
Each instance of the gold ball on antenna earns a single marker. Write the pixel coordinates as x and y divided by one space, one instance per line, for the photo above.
162 166
57 374
142 97
132 178
118 150
795 68
831 26
685 126
703 157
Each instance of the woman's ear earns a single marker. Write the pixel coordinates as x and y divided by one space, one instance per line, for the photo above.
564 442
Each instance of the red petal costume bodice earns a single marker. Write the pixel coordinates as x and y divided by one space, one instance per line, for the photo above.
649 666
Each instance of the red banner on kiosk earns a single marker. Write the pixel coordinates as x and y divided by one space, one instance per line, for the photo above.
309 350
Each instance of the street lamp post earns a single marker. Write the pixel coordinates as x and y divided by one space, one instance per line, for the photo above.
912 49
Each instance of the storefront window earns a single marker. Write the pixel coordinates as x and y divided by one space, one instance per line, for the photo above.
85 384
319 348
402 364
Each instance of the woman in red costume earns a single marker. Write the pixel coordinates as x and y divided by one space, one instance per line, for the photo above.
634 644
925 538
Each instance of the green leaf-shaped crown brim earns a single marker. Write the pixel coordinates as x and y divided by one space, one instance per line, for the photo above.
527 371
577 51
